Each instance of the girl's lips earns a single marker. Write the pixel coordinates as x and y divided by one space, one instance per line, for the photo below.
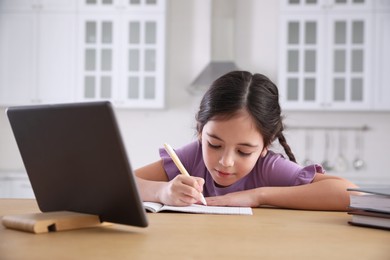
223 174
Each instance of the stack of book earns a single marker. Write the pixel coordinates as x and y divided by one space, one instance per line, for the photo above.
370 208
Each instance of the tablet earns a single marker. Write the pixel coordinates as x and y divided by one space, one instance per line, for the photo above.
76 161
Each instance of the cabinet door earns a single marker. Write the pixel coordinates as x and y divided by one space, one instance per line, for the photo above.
18 55
123 59
343 6
17 5
136 6
349 61
301 57
302 5
145 6
382 5
382 61
349 5
99 51
56 5
56 76
37 5
143 65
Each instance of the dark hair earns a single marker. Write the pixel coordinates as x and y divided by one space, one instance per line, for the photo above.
257 94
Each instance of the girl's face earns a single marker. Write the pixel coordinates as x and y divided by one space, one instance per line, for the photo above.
231 147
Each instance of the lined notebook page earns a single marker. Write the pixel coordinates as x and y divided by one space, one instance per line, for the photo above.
195 208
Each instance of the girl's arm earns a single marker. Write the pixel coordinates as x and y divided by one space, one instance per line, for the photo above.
153 185
324 193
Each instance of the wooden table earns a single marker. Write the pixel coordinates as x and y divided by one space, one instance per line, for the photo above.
268 234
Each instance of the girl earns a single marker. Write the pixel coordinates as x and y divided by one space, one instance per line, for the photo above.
231 164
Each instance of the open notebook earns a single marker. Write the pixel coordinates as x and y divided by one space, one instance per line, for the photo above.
195 208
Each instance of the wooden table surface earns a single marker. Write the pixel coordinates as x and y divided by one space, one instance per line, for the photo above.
268 234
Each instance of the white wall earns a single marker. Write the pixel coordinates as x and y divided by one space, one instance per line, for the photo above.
188 51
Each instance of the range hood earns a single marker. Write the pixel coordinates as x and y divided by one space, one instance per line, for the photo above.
222 45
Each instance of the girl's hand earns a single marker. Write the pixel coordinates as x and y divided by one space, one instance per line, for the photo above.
182 191
235 199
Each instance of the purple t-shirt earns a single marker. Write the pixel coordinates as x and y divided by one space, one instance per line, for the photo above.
271 170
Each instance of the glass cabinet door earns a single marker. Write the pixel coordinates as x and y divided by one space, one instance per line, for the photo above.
123 45
137 6
98 58
144 55
325 58
301 66
321 5
302 5
349 5
348 58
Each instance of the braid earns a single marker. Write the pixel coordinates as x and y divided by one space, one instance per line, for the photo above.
287 149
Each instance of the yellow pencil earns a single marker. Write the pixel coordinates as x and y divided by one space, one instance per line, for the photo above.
180 166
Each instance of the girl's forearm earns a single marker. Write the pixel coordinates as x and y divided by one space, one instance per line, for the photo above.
150 190
327 194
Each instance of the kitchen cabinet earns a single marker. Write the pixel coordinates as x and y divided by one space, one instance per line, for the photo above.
320 5
326 55
67 50
28 5
137 6
381 73
122 52
37 45
15 185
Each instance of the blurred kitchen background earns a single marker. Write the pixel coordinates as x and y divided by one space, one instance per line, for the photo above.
330 59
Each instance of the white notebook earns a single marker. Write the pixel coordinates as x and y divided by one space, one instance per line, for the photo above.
195 208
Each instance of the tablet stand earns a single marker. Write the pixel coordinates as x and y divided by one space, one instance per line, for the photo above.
50 221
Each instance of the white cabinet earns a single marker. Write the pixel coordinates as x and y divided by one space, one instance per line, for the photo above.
121 46
326 57
138 6
349 62
320 5
64 51
37 45
17 68
382 56
15 185
56 49
27 5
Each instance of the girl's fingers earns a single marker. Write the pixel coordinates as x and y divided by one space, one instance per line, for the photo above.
200 182
188 188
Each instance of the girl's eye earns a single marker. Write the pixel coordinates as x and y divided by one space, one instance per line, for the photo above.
214 146
243 153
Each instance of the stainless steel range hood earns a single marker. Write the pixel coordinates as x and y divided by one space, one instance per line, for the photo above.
222 45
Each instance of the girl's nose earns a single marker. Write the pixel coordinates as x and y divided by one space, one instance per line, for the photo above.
227 160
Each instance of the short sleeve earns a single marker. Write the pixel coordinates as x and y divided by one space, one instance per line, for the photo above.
307 173
279 171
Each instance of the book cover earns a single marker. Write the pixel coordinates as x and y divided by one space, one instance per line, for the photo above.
195 208
370 202
370 219
372 199
383 191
